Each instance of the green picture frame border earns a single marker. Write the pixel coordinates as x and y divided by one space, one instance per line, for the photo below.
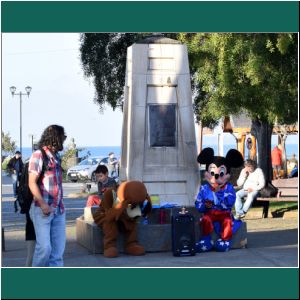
149 16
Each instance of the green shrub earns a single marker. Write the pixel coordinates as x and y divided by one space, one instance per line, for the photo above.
5 162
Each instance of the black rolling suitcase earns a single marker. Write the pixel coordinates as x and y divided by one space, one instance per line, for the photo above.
183 234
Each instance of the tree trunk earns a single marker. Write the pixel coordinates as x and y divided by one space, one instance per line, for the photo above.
263 134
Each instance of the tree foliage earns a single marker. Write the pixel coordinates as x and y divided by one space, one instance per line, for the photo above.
8 146
253 72
103 58
70 155
256 73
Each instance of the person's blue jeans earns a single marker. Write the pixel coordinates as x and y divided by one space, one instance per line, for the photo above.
240 195
50 237
14 178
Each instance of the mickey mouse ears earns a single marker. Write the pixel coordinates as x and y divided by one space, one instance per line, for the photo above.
206 156
233 158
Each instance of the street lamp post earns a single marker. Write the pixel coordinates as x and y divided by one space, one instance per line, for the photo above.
32 144
13 92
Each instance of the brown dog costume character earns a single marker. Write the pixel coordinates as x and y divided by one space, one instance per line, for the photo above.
118 212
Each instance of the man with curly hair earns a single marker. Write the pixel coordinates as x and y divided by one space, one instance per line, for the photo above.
47 210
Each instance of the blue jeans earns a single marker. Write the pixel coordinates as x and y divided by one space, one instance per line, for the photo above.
14 178
239 207
50 237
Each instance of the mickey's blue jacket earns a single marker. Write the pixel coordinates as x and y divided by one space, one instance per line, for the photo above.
223 199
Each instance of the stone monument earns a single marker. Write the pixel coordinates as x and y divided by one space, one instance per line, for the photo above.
158 137
158 142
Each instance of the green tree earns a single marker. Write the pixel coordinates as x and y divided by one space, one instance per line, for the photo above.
254 73
103 58
66 156
69 157
8 146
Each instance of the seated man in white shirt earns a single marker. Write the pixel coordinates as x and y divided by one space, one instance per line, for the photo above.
252 181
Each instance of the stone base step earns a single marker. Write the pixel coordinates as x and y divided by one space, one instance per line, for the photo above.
154 237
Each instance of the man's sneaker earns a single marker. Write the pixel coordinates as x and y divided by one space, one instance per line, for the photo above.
242 216
239 217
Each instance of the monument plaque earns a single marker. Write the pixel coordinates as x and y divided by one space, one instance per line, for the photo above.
162 119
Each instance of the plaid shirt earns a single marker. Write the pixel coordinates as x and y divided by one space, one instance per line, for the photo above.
51 183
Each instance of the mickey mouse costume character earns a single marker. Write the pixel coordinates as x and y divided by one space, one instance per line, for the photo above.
118 212
216 198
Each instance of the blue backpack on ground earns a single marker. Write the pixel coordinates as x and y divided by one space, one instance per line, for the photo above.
24 195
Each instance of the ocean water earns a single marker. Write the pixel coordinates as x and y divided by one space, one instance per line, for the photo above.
103 151
84 151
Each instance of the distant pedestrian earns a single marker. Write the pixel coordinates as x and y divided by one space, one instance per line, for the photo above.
292 166
293 161
276 155
15 166
29 229
103 182
112 165
47 211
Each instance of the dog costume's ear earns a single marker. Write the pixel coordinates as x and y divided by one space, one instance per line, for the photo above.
130 192
234 158
108 199
206 156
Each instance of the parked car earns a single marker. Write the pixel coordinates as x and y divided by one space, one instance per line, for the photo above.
85 169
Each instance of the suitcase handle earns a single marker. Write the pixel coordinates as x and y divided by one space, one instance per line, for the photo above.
183 211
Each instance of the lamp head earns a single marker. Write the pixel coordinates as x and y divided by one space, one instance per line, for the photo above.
13 90
28 90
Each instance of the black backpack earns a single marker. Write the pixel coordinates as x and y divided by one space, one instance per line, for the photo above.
24 195
269 190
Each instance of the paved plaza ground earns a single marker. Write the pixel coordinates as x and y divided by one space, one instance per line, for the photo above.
272 242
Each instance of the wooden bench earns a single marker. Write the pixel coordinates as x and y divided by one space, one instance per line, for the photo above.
287 191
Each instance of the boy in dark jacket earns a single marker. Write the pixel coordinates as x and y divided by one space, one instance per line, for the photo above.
104 182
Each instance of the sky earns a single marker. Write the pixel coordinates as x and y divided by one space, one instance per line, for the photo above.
50 64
